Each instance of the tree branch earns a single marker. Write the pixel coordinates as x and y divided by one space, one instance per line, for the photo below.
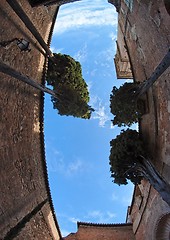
156 180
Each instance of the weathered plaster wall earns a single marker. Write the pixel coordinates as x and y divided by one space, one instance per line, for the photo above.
23 177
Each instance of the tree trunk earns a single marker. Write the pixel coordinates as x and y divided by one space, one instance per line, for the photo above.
148 171
13 73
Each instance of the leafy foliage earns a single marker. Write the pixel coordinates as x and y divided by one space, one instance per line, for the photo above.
123 104
66 78
125 153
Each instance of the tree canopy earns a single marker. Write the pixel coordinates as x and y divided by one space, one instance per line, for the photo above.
125 153
65 76
123 104
128 161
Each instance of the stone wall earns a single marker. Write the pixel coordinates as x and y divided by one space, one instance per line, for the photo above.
25 205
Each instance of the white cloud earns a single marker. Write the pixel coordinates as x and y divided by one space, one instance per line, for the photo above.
81 55
93 72
74 167
127 196
111 215
86 13
100 111
95 214
55 158
113 36
127 200
56 50
123 195
90 85
108 55
112 126
66 217
114 197
67 221
100 217
65 232
57 162
101 115
74 220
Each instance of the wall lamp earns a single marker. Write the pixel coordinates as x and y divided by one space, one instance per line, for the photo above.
23 45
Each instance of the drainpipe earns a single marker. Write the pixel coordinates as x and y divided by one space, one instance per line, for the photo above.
4 68
160 69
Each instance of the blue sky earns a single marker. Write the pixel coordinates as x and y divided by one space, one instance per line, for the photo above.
77 150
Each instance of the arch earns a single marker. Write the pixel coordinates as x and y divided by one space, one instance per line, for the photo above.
156 218
167 5
162 229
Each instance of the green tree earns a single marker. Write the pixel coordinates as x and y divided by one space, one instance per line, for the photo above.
124 154
66 79
128 161
123 101
123 104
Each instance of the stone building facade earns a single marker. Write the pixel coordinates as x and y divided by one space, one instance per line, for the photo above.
26 209
147 39
146 35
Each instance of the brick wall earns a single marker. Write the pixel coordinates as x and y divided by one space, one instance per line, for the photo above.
147 37
23 177
146 215
102 231
145 27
